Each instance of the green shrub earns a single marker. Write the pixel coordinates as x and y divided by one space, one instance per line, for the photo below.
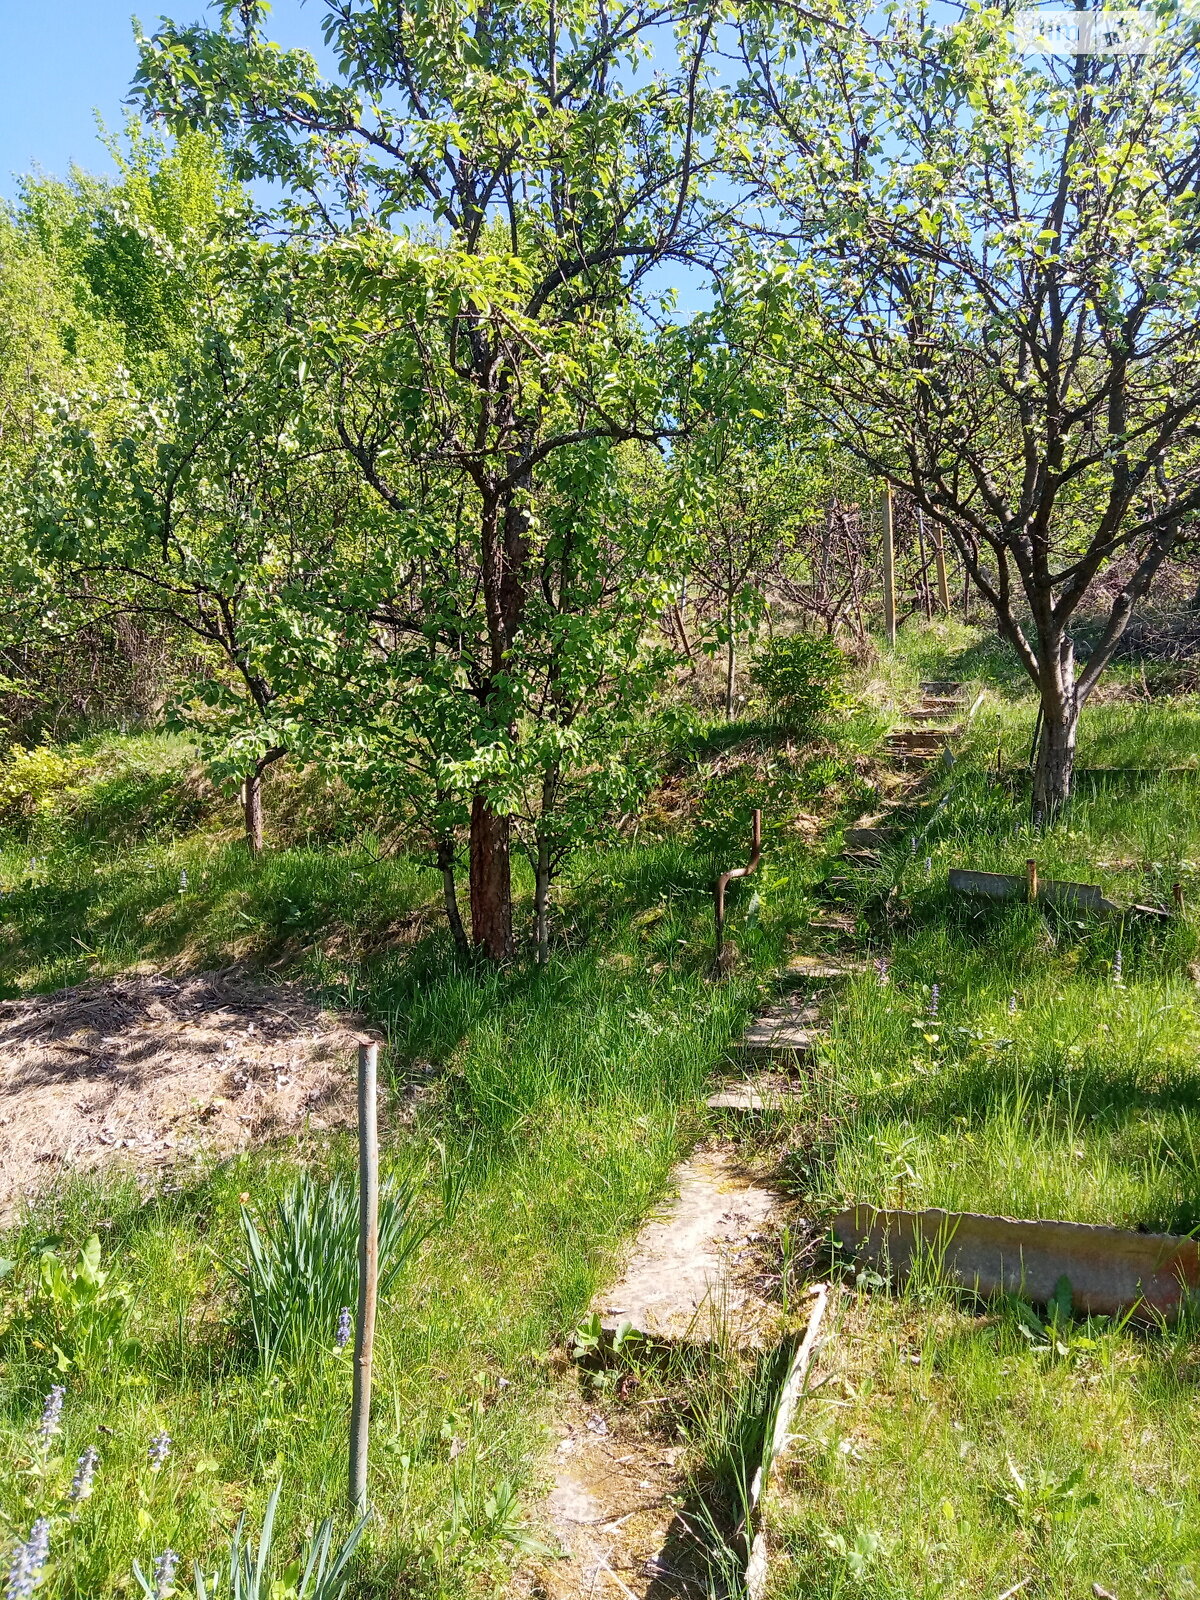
75 1313
802 677
33 781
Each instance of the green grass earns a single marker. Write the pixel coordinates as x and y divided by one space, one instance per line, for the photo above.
941 1459
558 1102
560 1098
1079 1103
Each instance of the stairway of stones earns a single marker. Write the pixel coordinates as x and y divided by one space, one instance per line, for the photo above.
702 1266
929 731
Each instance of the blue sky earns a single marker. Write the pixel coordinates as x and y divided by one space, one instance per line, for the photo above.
62 60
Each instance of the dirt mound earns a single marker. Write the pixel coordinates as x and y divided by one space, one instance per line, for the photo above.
150 1071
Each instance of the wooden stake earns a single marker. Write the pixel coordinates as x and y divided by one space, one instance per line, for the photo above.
889 568
939 556
1031 880
368 1274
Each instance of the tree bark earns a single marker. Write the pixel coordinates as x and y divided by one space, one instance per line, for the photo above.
541 901
445 861
491 881
730 678
1061 702
1055 761
252 809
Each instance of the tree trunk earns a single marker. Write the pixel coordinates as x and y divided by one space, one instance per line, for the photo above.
251 797
491 882
445 861
252 812
541 901
1055 761
1060 720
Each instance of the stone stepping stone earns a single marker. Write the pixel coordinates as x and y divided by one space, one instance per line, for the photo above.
948 688
789 1028
691 1273
917 739
761 1092
872 838
838 921
825 968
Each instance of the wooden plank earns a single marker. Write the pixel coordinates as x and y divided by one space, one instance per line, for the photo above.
1110 1270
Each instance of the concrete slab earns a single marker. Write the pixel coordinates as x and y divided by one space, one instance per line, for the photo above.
872 838
818 969
690 1271
1110 1270
760 1092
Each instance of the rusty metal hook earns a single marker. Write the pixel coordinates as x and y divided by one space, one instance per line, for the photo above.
737 872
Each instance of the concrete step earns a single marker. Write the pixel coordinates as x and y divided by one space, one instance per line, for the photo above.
691 1274
794 1030
929 713
921 738
758 1093
872 838
824 968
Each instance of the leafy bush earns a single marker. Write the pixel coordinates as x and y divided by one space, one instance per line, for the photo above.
802 677
76 1313
32 781
302 1267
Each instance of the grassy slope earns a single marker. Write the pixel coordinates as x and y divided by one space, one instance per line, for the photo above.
562 1099
565 1097
943 1458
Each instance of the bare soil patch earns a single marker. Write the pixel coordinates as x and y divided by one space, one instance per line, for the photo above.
150 1072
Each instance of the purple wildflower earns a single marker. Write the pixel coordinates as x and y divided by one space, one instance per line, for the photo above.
29 1558
164 1574
881 972
159 1451
85 1471
51 1415
342 1337
934 996
1012 1005
1117 970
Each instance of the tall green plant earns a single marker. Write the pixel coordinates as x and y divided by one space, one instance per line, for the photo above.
301 1265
